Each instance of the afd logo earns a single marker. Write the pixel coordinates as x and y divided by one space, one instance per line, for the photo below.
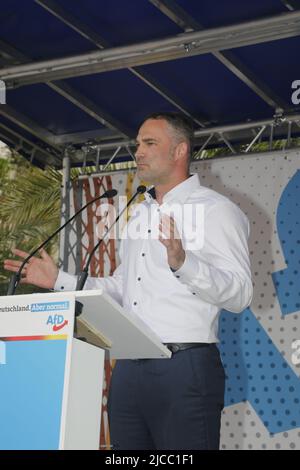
50 306
57 321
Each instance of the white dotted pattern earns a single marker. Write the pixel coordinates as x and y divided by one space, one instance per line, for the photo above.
255 184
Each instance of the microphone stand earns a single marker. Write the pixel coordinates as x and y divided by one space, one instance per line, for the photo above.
82 277
16 277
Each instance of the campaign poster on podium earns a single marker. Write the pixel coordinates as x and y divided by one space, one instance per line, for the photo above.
36 334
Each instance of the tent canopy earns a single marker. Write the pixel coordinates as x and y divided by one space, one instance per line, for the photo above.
80 76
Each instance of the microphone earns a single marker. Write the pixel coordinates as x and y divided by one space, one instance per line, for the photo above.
16 277
82 277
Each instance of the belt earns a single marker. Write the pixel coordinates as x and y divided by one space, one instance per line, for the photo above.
175 347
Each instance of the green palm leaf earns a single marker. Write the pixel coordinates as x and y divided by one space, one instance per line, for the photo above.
29 209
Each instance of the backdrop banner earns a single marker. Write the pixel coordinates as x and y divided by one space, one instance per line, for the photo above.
261 346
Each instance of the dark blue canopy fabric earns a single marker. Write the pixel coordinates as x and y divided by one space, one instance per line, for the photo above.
202 84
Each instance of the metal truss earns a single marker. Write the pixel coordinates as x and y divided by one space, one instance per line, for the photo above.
77 238
89 107
116 143
292 4
243 138
85 136
67 250
188 23
21 144
229 140
183 45
37 151
246 135
54 145
55 9
12 54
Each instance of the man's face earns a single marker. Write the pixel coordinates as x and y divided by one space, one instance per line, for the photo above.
155 151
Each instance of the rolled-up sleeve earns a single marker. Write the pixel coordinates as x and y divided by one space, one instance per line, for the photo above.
220 271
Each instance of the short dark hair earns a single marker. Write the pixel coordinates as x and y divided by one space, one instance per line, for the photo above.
181 124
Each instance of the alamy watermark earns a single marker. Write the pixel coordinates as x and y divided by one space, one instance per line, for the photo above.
2 92
296 94
295 358
153 223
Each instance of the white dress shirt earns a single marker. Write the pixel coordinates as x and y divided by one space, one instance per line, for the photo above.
181 306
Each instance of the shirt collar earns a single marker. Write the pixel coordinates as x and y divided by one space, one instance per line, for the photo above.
179 193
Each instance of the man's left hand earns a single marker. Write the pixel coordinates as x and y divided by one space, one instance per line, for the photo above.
170 238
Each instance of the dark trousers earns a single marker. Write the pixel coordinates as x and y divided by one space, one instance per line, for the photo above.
168 403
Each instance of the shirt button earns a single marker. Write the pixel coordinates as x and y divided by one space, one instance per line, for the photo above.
62 287
138 278
134 303
143 254
194 293
178 276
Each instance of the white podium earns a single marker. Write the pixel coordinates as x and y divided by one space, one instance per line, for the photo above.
51 383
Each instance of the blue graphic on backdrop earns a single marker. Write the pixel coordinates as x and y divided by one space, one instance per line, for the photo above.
286 281
257 372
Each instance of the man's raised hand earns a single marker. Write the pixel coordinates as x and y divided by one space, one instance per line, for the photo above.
39 271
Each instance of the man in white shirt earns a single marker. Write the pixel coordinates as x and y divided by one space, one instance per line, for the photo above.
177 284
